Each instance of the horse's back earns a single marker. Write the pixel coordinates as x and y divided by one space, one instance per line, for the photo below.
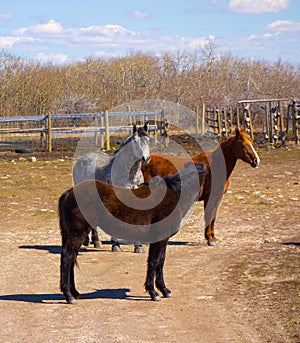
164 165
161 165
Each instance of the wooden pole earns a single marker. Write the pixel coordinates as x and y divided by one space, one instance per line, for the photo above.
250 123
270 122
281 118
231 119
296 121
107 138
238 118
197 119
218 114
203 119
101 133
267 122
49 132
225 122
155 131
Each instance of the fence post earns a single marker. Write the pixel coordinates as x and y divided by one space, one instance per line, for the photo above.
96 134
218 115
101 133
155 131
203 119
225 122
49 132
197 119
107 138
238 117
296 121
231 119
271 138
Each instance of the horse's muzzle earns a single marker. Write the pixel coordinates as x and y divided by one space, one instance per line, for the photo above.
255 163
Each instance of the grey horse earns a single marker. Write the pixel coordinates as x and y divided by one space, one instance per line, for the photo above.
123 168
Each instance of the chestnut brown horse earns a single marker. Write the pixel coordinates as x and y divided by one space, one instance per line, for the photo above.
219 163
150 213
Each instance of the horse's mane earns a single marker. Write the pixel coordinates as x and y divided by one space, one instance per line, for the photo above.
173 183
227 142
140 131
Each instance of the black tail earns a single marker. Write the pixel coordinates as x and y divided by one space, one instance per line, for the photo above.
65 223
63 218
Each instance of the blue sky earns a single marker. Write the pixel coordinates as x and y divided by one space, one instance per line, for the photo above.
65 31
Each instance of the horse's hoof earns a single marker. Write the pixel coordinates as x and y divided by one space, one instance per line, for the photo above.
76 294
156 298
71 301
212 244
168 295
116 248
97 245
86 242
139 250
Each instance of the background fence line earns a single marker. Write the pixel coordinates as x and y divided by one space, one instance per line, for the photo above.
43 130
279 118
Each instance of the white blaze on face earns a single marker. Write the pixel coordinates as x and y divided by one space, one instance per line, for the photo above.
255 153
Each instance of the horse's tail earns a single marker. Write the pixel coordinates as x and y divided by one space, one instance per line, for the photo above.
63 218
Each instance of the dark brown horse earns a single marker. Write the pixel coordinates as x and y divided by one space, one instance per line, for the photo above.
150 213
219 163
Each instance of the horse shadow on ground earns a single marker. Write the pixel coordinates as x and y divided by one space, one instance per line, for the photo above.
56 249
297 244
292 241
118 293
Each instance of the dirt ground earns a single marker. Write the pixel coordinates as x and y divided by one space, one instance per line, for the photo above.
246 289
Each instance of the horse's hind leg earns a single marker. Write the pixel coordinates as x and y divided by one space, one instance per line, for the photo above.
154 260
68 259
159 281
73 289
67 263
210 215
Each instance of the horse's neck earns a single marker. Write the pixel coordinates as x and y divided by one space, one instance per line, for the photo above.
136 177
127 170
230 160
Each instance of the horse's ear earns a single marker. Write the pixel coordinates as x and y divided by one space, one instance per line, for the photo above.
146 127
134 128
237 132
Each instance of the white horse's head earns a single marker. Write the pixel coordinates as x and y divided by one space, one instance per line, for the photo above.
137 146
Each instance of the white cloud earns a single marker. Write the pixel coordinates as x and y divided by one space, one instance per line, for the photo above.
51 28
5 16
55 58
51 41
257 6
140 15
105 30
7 42
200 43
284 26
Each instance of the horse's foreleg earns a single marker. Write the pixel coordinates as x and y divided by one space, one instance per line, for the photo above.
153 262
159 281
95 238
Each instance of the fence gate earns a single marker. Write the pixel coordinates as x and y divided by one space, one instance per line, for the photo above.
296 119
